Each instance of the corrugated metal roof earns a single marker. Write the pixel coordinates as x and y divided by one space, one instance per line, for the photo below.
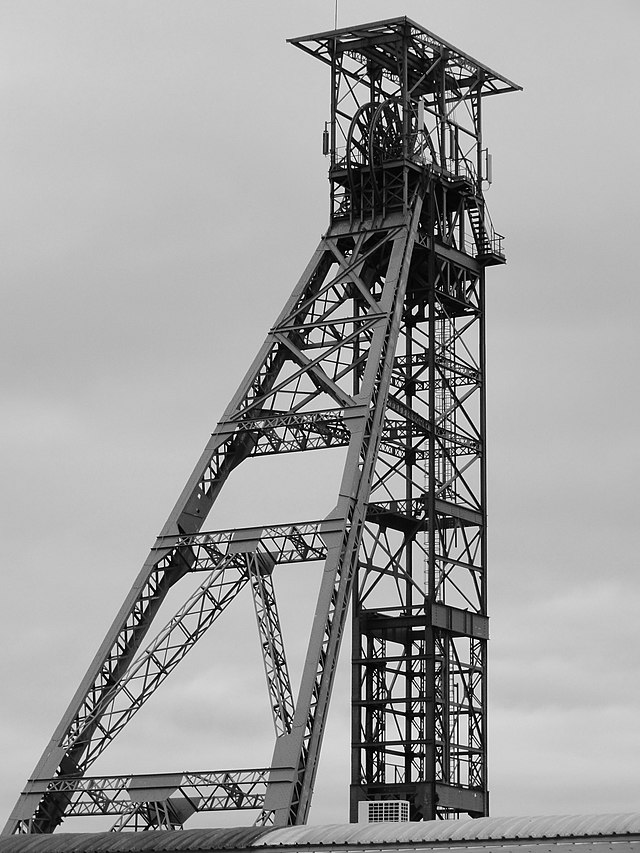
236 838
441 834
438 831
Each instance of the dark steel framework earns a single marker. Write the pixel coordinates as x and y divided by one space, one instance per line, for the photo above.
380 350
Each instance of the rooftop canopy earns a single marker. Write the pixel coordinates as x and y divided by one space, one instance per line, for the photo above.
382 44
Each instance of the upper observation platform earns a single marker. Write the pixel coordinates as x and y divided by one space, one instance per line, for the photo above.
405 105
398 43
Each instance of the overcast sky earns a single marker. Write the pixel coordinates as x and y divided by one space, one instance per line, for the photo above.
162 188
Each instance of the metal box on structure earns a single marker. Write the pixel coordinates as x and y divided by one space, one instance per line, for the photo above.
379 350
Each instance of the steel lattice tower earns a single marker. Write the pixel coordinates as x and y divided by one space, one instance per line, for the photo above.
380 350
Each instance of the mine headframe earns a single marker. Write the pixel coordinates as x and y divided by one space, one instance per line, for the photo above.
379 351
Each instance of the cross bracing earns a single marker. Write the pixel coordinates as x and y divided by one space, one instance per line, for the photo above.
379 351
128 797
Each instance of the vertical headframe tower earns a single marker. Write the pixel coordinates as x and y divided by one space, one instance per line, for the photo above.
379 351
406 150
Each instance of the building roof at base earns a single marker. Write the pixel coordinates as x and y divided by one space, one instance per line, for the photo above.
598 833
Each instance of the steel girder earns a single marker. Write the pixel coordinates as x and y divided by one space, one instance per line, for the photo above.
158 801
380 351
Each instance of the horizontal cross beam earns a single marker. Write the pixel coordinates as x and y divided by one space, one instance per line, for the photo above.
215 790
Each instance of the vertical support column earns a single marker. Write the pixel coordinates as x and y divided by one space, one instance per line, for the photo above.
428 805
424 715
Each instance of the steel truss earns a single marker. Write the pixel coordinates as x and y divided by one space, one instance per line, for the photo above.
380 351
158 801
